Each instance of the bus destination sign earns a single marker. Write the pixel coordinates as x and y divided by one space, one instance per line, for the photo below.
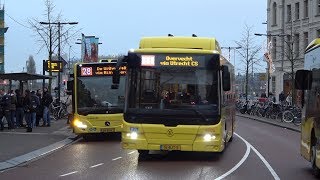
100 70
173 60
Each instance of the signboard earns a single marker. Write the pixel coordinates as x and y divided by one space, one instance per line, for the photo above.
173 60
86 70
89 48
54 66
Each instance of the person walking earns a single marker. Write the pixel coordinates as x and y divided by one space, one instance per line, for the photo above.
19 108
34 105
39 109
282 97
46 101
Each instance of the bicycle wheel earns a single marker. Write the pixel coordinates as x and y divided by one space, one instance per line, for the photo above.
279 117
287 116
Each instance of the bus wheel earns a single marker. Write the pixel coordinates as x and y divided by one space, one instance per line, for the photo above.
315 169
143 154
231 138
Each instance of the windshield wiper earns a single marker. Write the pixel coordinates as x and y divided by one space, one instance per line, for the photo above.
200 114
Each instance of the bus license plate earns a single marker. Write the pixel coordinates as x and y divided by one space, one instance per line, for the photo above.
105 130
170 147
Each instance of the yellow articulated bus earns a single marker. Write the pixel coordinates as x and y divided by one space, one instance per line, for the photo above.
179 96
308 80
98 103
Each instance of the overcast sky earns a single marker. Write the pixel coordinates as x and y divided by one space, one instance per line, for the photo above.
121 23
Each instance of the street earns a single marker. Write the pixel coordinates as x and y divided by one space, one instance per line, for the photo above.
258 151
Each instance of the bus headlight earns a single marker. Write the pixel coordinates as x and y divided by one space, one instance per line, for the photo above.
132 135
79 124
209 137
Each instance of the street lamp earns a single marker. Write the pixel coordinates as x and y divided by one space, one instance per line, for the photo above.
234 48
59 47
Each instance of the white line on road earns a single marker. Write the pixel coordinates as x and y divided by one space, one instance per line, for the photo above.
244 158
131 152
68 174
116 158
274 174
96 165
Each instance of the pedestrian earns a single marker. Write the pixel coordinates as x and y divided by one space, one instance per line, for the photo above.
289 99
46 101
13 108
39 109
1 111
34 105
27 113
282 97
19 108
6 103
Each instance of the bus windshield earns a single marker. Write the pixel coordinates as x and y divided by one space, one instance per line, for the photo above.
95 95
188 93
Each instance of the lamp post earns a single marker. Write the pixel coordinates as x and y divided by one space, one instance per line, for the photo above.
234 48
59 47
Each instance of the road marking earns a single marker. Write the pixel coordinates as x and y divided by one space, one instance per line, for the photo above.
116 158
68 174
96 165
274 174
244 158
131 152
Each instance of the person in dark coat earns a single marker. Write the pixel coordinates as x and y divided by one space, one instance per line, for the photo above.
19 108
39 111
46 101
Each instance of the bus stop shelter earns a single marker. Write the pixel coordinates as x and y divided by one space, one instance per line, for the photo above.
22 77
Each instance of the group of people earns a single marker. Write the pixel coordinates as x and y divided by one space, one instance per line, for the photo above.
17 107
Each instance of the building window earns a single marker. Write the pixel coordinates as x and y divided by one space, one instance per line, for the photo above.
306 8
306 39
297 11
274 49
318 33
288 43
274 13
273 84
289 14
296 45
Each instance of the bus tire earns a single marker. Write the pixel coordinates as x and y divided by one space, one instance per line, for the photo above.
231 138
315 169
143 154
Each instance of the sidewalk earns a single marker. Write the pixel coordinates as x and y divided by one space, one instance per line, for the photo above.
18 146
274 122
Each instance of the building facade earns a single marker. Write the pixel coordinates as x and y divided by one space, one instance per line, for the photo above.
292 25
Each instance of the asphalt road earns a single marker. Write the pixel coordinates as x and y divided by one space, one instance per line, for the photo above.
258 151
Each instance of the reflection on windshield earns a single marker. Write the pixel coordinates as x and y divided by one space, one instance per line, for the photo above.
96 93
174 89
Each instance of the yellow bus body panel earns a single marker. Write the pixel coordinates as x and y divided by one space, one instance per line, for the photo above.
187 137
96 123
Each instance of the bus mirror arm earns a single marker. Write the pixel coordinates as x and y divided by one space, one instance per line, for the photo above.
226 79
116 76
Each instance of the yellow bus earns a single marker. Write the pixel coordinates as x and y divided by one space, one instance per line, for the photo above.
179 96
97 104
308 80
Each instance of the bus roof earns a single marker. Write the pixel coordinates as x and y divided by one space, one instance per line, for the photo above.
179 45
313 45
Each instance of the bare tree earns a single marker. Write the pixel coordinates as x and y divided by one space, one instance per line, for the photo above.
47 34
248 52
31 65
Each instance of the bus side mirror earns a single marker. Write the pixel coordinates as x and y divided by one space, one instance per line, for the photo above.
69 87
116 76
226 79
303 80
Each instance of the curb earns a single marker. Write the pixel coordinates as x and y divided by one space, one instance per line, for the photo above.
270 123
11 163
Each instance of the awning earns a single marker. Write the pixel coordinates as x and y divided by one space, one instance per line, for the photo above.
23 76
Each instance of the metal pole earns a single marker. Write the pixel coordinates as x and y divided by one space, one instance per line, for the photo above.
43 73
59 56
268 79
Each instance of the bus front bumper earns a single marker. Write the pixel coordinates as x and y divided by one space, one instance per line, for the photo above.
83 127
